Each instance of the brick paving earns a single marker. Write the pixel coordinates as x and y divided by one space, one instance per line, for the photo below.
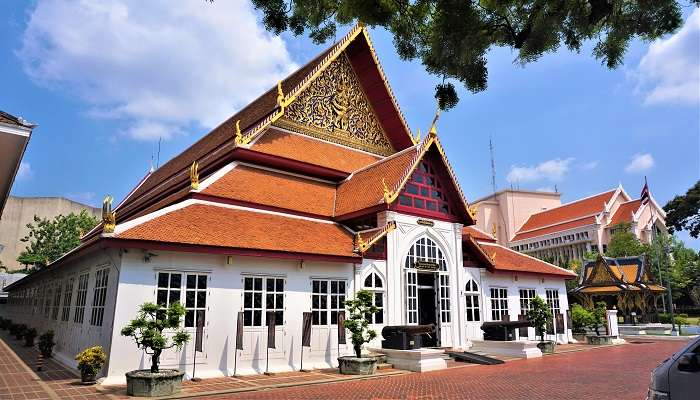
620 372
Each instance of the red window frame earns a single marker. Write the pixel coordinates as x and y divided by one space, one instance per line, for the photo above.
426 194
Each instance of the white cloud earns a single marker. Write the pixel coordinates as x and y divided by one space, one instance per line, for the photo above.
588 166
670 70
157 66
640 163
24 171
553 170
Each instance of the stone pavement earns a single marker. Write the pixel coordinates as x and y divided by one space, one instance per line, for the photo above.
620 372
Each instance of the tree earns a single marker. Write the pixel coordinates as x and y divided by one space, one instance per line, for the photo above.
357 322
147 330
624 243
683 212
538 315
453 37
597 319
580 318
50 239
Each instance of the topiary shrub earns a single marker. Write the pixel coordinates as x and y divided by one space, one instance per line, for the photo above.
538 315
29 336
19 331
358 323
598 319
147 330
580 319
46 344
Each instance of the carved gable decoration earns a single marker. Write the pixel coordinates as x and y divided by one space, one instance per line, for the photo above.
334 108
600 275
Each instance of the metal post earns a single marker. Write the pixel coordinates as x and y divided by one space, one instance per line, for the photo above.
667 252
194 365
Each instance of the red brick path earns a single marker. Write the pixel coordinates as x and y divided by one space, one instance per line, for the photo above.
618 372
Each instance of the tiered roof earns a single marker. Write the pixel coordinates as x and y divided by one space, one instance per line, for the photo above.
607 275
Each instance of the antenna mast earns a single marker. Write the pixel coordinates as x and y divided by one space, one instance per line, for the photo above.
493 166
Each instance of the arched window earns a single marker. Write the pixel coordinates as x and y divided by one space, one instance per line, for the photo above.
373 283
472 299
425 249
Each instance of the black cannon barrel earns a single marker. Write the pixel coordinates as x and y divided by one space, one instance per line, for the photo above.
393 330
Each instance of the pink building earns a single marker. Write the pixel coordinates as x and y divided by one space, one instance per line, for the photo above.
536 223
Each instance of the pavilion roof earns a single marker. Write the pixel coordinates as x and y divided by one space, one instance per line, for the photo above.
626 273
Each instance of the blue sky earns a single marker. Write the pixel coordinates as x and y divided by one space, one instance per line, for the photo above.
104 82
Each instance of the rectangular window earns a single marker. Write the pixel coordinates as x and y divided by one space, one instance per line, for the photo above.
445 298
195 300
255 289
67 298
56 301
472 307
169 286
553 301
99 297
499 303
526 296
327 297
47 300
80 298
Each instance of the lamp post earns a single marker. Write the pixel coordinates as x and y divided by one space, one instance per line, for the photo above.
667 253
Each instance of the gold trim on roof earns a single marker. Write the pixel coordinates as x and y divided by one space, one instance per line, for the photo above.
194 176
362 245
109 217
473 210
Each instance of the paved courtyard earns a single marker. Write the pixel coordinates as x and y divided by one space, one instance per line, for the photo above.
619 372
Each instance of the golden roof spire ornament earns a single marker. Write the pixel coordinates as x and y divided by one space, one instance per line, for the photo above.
109 217
360 244
388 194
472 211
240 140
194 176
494 230
416 139
280 96
433 128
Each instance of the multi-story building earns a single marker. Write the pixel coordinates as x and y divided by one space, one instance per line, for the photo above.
536 223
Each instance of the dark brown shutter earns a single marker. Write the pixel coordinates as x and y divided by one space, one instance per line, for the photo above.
270 329
560 323
306 330
341 327
239 331
522 331
199 334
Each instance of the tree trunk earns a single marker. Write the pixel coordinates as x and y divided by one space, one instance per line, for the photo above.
155 360
358 349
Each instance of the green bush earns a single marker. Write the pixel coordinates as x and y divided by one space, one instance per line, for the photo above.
91 360
46 344
598 317
580 319
358 323
538 315
29 336
19 331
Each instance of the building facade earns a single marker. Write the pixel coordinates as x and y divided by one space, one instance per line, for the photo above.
536 223
20 211
314 191
14 137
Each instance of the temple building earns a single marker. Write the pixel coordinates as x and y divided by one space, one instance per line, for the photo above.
312 192
536 223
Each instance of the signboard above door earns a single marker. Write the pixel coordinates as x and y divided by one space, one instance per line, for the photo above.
427 265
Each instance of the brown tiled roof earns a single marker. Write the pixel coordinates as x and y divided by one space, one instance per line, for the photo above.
210 225
10 119
625 211
567 212
477 234
364 188
508 260
556 228
301 148
274 189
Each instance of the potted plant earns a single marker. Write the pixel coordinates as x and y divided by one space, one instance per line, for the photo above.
29 336
147 331
596 321
46 344
358 325
538 315
90 362
580 319
19 331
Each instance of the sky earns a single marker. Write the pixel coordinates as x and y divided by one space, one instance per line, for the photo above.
109 83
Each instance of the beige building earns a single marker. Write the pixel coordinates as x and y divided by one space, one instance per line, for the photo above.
536 223
20 211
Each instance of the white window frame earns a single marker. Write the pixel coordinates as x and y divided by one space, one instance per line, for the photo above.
526 302
499 305
426 249
67 299
376 286
326 302
173 288
471 298
266 294
81 298
99 297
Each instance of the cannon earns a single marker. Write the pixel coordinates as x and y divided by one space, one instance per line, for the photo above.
406 337
502 330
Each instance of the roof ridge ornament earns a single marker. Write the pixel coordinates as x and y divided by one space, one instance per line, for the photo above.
240 140
194 176
416 139
433 128
473 210
389 195
109 217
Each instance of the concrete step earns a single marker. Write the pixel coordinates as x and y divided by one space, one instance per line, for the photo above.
381 358
384 365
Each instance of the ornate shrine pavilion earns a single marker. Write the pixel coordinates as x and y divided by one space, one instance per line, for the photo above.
315 190
622 282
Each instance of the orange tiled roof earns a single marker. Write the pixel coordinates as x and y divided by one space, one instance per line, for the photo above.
269 188
625 211
505 259
601 289
312 151
477 234
364 188
210 225
566 212
556 228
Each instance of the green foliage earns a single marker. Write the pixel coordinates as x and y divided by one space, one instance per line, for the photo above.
18 330
538 315
683 212
357 322
46 343
147 330
624 243
681 269
580 318
91 360
597 317
50 239
29 335
453 38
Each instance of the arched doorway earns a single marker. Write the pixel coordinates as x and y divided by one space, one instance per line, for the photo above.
427 289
